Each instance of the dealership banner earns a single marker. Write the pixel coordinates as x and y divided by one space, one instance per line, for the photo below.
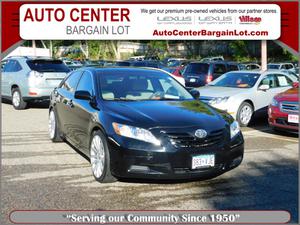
25 20
165 21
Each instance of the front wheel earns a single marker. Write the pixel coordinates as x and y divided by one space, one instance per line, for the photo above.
244 114
100 158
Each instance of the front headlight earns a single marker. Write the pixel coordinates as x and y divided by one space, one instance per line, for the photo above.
218 100
234 129
135 133
274 102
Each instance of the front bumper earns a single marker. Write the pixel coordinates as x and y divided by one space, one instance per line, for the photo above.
173 164
279 120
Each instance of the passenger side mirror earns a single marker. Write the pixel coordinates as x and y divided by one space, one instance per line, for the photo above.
264 87
195 93
295 84
84 95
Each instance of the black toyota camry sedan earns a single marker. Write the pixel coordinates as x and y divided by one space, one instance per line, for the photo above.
142 123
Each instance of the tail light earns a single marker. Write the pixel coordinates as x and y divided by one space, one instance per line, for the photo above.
34 78
35 74
209 78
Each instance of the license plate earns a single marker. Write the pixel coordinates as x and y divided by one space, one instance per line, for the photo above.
200 161
293 118
193 80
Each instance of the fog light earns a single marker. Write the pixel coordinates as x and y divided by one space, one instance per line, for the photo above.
135 168
236 161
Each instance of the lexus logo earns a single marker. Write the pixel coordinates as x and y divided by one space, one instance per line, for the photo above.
200 133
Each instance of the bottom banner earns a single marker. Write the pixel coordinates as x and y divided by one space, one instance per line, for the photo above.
149 217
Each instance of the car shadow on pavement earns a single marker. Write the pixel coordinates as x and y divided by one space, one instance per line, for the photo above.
35 105
260 122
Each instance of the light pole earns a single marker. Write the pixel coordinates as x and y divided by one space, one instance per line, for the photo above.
264 57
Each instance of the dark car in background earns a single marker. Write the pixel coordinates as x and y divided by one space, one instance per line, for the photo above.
123 63
197 74
147 63
141 123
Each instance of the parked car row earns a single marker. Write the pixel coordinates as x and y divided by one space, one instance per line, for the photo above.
221 83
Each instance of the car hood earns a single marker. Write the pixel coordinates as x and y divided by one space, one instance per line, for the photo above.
289 95
213 91
149 114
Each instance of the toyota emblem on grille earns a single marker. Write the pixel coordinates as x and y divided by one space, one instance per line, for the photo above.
200 133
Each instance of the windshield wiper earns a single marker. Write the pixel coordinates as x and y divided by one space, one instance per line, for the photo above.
124 99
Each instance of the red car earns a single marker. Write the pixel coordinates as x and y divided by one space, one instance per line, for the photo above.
284 109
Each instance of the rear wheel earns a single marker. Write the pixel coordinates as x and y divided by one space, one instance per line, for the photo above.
100 158
17 100
244 114
54 132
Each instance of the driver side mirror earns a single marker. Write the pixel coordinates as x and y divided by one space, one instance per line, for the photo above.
84 95
264 87
195 93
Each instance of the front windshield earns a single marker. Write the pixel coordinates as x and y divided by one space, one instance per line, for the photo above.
140 86
273 66
236 80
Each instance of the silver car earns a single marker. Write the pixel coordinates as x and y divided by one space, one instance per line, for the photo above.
241 93
27 79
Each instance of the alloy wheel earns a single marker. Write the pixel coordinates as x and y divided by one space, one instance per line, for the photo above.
245 115
16 98
97 156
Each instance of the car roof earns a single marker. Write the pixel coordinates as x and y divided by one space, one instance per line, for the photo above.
122 69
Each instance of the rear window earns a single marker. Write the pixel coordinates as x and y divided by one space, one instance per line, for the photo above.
197 68
48 66
273 66
232 67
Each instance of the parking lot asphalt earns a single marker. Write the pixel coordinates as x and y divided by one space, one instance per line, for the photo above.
39 174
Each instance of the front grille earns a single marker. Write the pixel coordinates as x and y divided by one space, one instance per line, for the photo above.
186 140
285 122
292 107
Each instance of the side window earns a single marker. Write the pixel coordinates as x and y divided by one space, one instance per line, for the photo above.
283 81
86 83
3 63
12 66
8 66
72 81
269 80
233 67
219 69
289 66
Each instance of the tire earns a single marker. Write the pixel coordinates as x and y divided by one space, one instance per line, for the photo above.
245 113
100 158
53 129
17 100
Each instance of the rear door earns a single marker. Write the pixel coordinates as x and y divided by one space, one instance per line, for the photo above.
64 104
283 83
82 112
